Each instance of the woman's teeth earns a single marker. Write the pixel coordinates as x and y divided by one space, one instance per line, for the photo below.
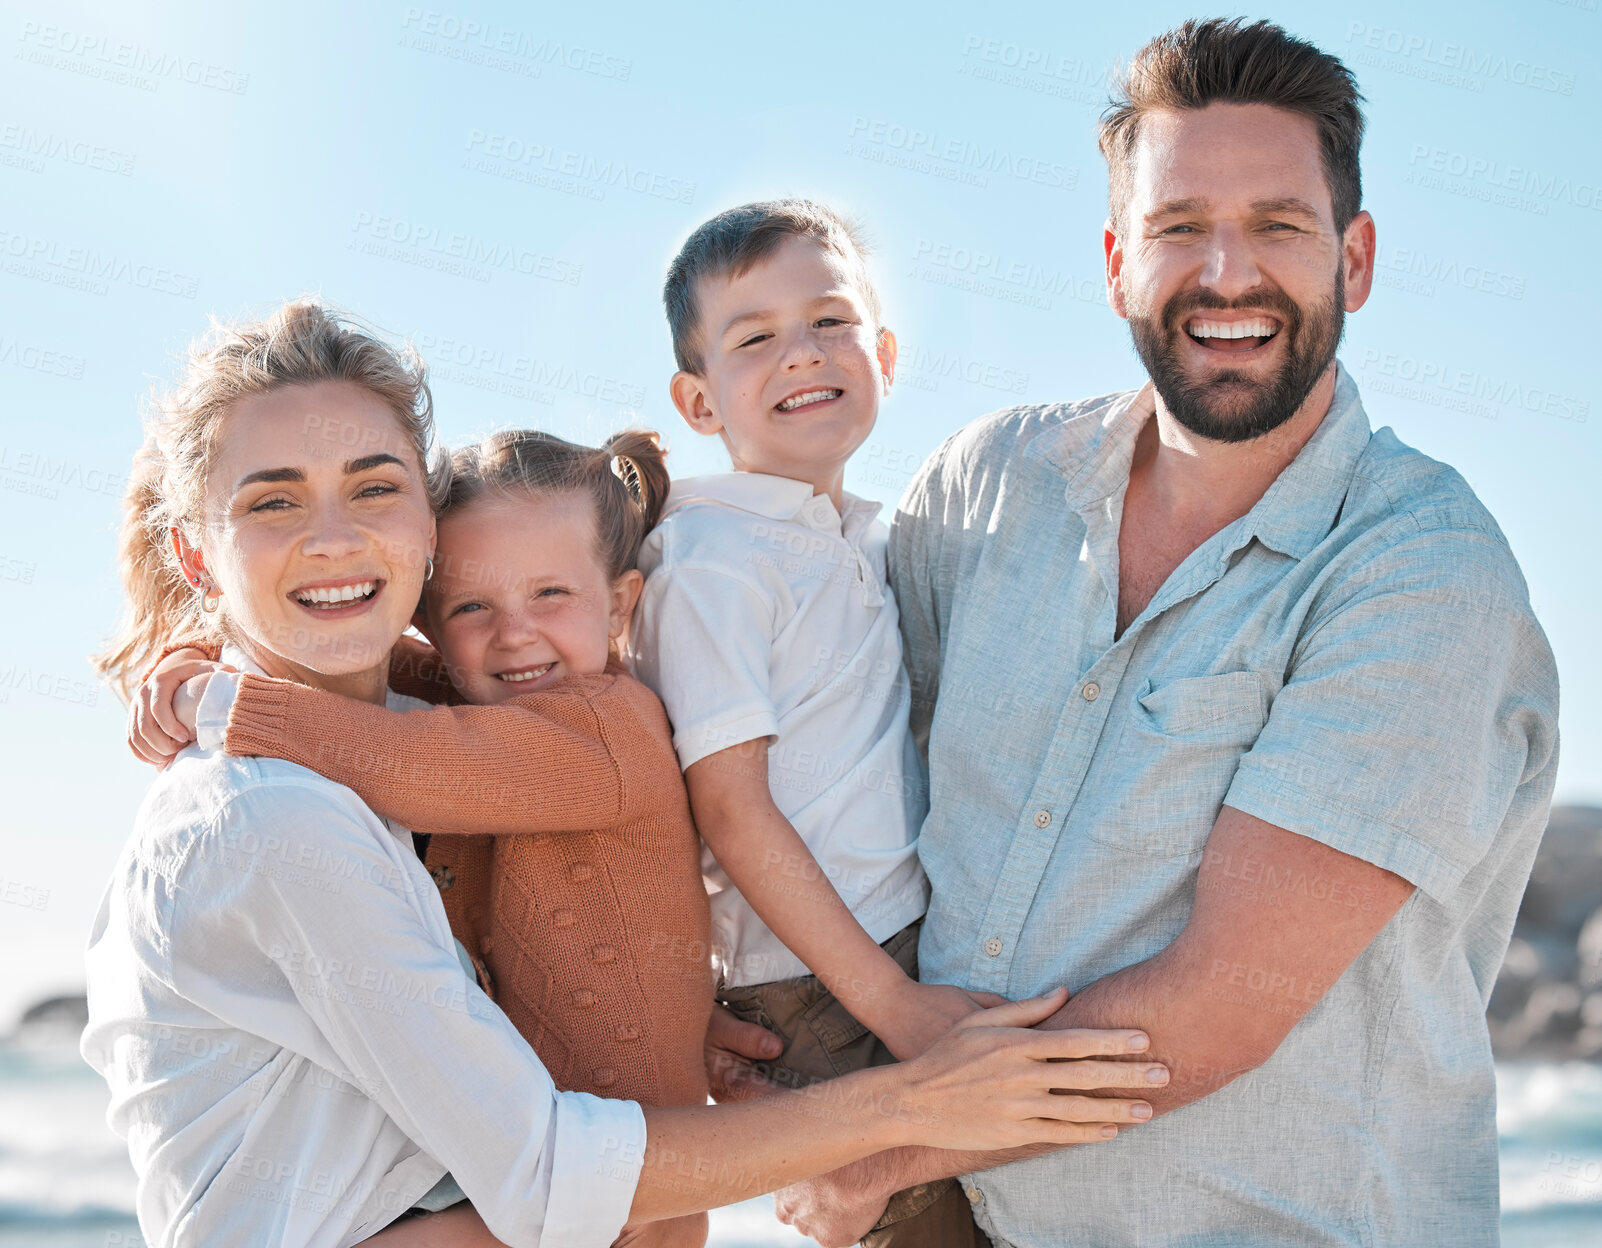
811 396
530 674
335 595
1235 329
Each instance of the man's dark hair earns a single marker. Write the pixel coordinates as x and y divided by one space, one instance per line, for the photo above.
1229 62
734 242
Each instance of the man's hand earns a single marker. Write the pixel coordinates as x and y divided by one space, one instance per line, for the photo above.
835 1209
732 1050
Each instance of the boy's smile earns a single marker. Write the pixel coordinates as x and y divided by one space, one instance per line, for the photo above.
794 366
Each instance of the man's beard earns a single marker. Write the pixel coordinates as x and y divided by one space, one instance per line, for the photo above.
1230 406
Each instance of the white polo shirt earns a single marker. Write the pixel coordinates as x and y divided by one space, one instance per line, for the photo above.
766 613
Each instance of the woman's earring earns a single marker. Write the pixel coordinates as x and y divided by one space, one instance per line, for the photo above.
428 573
210 599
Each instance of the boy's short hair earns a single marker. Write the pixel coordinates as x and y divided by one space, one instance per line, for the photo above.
734 242
1232 62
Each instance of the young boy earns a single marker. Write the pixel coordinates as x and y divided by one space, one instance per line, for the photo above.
767 629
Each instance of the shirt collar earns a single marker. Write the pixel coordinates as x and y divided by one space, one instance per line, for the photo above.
1294 514
774 498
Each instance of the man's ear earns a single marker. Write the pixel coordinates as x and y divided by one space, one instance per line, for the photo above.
1114 251
1357 254
689 394
887 357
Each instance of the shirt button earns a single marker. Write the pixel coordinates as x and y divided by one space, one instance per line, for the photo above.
993 946
444 877
1091 691
973 1194
1042 818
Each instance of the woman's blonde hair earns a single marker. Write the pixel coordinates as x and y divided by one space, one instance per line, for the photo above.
626 478
304 342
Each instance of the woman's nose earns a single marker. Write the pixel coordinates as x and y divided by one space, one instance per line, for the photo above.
333 533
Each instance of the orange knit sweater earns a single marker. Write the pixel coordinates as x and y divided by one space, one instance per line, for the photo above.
562 845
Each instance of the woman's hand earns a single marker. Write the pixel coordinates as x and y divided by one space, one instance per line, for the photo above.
989 1083
161 716
925 1012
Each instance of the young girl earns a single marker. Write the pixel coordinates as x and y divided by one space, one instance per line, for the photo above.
559 833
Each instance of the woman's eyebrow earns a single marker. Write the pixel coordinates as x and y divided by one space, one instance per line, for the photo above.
295 474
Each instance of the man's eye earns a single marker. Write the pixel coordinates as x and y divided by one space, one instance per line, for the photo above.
1180 229
550 591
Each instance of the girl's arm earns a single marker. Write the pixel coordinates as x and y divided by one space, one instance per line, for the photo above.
545 761
553 760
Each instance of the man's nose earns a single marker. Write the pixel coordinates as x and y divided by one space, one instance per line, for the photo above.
1230 268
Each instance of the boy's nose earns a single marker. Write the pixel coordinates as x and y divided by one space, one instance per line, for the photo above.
804 351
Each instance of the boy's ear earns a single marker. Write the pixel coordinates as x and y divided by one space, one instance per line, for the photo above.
887 357
689 396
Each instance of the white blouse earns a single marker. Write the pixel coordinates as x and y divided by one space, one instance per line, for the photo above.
295 1053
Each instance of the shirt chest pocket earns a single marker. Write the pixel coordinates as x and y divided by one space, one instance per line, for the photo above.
1174 759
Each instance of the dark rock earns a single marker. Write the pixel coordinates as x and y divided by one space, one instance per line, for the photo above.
1547 1002
56 1013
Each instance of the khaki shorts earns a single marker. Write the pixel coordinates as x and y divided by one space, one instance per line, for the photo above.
822 1040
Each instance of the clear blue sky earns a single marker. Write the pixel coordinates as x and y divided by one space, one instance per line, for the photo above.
163 162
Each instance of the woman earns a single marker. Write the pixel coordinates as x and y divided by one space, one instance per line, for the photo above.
295 1052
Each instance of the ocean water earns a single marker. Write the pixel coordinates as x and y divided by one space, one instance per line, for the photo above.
65 1181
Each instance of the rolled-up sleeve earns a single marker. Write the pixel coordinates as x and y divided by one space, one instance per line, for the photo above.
703 643
1420 700
392 1012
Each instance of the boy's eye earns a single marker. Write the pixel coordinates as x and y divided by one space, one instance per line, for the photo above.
754 338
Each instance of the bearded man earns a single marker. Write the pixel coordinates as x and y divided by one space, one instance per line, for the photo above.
1236 712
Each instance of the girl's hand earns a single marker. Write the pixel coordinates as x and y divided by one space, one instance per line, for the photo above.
157 729
989 1083
927 1012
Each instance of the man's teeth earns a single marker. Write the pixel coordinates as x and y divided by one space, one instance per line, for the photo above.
1234 329
811 396
515 677
336 593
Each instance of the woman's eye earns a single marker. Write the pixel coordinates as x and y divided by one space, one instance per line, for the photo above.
272 504
376 490
467 607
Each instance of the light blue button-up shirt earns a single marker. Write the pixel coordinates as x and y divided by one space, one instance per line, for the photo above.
1354 660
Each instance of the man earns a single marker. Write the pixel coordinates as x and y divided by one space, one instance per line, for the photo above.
1236 712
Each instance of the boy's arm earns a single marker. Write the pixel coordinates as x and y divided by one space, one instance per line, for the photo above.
540 763
775 871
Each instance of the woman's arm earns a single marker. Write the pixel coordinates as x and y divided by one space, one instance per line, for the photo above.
987 1083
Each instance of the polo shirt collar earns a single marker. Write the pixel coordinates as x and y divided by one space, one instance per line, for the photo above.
773 498
1294 514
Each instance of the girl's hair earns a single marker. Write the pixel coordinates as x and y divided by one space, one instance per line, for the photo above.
626 478
304 342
